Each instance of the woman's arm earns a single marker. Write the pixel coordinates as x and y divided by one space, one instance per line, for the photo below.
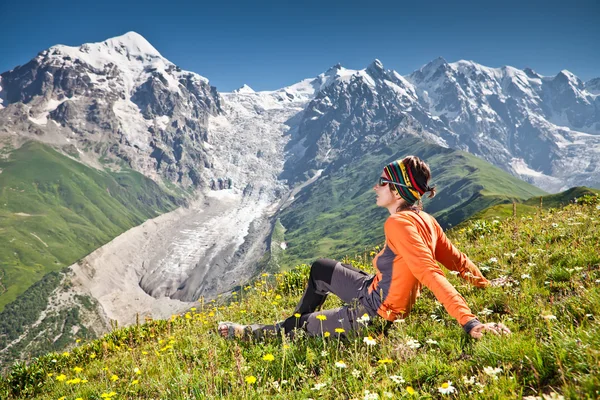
455 260
405 240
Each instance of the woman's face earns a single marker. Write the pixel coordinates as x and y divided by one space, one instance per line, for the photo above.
385 198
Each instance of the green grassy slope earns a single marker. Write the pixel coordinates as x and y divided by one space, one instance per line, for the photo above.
551 302
54 211
337 216
532 205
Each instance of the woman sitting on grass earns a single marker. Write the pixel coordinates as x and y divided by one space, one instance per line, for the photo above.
414 242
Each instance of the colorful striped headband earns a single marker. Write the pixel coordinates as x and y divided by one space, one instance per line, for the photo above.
397 172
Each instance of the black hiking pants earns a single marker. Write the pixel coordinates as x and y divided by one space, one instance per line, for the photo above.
327 276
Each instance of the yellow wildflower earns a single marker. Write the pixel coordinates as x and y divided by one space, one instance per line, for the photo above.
321 317
144 353
339 330
93 355
297 315
78 340
268 357
61 377
77 370
114 378
135 382
385 361
250 379
410 390
65 354
193 308
62 398
327 334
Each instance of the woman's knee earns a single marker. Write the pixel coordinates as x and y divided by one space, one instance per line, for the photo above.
322 269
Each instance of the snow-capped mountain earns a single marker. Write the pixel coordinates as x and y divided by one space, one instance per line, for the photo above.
119 98
543 129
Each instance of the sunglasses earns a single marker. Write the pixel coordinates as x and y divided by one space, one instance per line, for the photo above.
382 182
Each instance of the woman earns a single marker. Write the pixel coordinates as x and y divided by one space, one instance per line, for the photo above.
414 241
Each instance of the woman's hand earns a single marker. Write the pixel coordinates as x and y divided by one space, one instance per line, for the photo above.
501 281
496 329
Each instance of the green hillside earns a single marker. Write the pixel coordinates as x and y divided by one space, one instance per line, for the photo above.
532 205
551 303
336 215
54 211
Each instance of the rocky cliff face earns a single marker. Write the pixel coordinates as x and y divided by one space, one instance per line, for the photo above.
119 99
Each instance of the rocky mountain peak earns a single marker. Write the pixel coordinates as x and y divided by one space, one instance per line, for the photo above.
432 70
244 89
376 65
592 86
134 43
334 69
567 77
531 73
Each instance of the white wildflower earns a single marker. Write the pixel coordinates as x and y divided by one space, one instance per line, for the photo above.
484 268
555 225
468 381
431 341
319 386
355 373
341 364
397 379
525 276
364 319
413 344
492 371
399 321
370 396
493 260
486 311
370 341
447 388
324 353
549 317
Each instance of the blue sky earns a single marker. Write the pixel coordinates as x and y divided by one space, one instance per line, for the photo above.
268 45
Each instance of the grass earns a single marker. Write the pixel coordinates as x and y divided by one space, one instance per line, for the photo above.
551 303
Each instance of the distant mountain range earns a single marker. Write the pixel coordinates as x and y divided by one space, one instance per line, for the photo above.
122 100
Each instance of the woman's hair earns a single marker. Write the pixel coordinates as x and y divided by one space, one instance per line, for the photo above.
421 173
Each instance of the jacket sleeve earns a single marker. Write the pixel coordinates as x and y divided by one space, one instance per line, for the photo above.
406 241
455 260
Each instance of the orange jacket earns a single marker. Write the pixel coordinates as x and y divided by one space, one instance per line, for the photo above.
413 244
